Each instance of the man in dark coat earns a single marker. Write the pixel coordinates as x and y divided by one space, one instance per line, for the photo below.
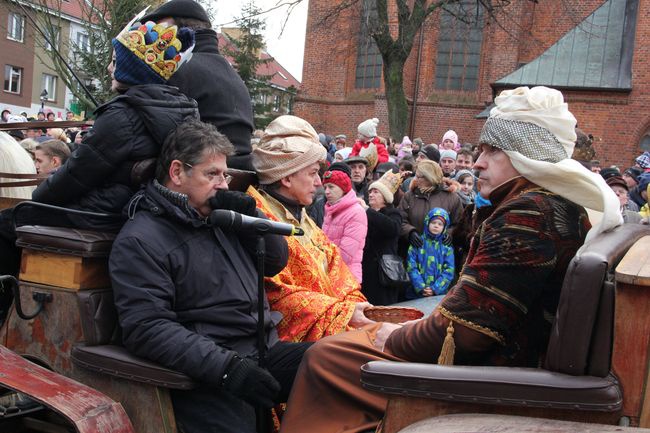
209 79
186 291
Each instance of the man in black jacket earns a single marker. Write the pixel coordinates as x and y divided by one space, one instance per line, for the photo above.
186 293
208 78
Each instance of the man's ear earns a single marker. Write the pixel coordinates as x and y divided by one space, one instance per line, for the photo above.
176 172
56 162
286 181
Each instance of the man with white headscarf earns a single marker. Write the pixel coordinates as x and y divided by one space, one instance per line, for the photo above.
501 309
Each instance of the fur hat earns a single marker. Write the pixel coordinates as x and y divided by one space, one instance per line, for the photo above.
288 145
178 9
150 53
430 170
615 180
387 185
368 128
448 153
338 178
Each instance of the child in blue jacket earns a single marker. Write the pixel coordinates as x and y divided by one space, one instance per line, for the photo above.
431 267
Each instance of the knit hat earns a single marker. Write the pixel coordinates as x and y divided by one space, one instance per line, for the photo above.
339 179
448 153
387 185
535 128
178 9
634 173
460 173
430 153
418 141
343 136
617 181
340 166
430 170
451 135
345 152
406 140
643 160
288 145
150 53
368 128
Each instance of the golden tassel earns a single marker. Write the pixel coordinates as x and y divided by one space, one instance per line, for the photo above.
448 347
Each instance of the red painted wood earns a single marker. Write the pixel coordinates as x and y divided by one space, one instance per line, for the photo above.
89 410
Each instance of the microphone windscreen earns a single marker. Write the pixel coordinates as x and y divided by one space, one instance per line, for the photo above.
223 218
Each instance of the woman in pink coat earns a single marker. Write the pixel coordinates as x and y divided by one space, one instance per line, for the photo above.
345 222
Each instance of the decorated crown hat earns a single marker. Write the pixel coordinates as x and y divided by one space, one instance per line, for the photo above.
387 185
150 53
370 153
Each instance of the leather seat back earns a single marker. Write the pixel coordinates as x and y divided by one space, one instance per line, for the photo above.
582 333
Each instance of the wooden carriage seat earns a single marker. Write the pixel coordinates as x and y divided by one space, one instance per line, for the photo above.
576 377
77 334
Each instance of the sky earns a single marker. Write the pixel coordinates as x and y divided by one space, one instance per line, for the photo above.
288 46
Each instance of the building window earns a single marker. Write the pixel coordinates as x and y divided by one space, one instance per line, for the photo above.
459 46
369 62
53 35
277 102
83 43
49 84
13 79
16 27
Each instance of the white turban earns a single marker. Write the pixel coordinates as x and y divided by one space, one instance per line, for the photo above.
535 128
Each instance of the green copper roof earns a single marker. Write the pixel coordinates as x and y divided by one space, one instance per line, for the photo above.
596 54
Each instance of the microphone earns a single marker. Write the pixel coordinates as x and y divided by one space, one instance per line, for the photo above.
228 219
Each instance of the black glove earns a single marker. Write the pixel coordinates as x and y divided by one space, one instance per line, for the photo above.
251 383
234 200
415 239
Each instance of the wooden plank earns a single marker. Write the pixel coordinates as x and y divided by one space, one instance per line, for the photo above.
7 202
630 358
401 412
508 424
635 267
71 272
89 410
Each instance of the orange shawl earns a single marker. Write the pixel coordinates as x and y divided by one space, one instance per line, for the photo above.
315 292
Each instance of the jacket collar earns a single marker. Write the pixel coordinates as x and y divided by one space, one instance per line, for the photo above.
511 188
206 41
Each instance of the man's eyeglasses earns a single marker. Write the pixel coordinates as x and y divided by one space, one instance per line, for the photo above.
214 176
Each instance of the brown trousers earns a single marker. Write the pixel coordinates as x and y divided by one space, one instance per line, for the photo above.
327 396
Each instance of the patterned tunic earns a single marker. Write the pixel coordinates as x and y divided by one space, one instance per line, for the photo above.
510 285
316 292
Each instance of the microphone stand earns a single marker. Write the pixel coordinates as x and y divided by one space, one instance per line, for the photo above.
260 251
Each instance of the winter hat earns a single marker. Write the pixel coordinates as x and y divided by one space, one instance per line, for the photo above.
448 153
430 153
406 141
354 159
617 181
434 214
387 185
461 173
430 170
178 9
608 172
150 53
451 135
535 128
339 179
345 152
643 160
419 142
288 145
634 173
370 153
644 181
368 128
343 136
340 166
386 166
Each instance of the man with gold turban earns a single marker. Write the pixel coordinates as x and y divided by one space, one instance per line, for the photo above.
316 292
500 311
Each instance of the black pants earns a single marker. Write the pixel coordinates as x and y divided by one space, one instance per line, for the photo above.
212 410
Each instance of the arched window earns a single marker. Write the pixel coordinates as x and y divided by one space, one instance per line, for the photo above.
369 62
459 46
